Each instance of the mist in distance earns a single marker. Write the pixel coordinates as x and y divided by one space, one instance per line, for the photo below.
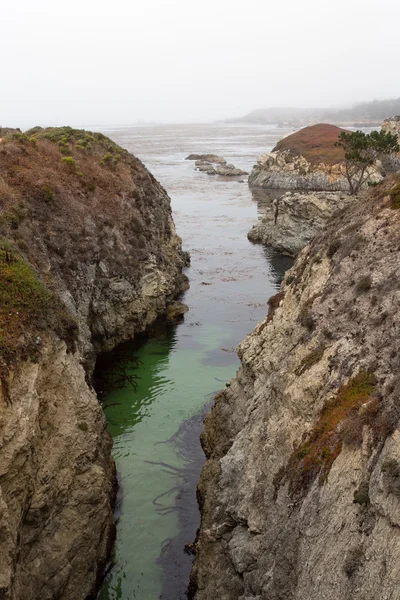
99 62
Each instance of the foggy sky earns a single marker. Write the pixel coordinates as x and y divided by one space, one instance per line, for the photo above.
120 61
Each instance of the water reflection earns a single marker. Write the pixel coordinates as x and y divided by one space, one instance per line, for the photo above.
264 197
278 264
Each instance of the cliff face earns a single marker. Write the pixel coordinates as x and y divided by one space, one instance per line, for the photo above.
290 222
305 160
300 493
88 257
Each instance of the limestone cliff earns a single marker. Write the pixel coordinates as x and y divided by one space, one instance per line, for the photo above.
392 125
290 222
305 160
88 257
300 493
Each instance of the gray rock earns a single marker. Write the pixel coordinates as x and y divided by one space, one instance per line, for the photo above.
281 523
284 170
290 222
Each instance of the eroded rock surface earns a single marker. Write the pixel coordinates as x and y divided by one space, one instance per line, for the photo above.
215 165
290 222
82 221
300 493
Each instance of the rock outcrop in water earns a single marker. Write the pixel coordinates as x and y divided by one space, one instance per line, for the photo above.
290 222
207 162
306 160
88 257
300 493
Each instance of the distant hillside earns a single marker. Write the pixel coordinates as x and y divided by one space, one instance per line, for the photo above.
363 113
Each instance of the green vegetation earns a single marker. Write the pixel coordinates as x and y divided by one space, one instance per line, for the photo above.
361 495
311 359
361 150
316 455
70 161
395 196
69 138
27 307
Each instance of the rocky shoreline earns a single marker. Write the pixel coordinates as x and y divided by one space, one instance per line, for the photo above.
290 222
299 494
91 257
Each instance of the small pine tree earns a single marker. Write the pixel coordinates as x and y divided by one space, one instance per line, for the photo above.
361 150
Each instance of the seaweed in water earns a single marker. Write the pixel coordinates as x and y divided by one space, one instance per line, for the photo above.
114 370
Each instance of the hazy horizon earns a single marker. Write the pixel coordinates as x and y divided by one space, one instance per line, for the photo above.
120 63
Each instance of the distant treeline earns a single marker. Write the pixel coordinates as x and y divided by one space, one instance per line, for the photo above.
377 110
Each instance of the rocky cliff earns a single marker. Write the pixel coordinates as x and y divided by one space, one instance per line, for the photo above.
305 160
88 257
300 494
290 222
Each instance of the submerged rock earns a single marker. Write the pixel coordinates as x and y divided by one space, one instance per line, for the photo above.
299 495
306 160
90 257
290 222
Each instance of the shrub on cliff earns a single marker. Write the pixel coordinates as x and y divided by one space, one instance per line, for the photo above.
27 307
361 150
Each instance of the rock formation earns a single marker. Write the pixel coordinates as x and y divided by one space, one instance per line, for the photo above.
88 257
290 222
300 495
392 125
206 162
305 160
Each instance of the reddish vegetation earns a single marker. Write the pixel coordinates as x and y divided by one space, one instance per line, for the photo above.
315 143
91 201
338 422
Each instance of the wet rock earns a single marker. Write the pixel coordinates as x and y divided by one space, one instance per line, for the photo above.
176 310
229 171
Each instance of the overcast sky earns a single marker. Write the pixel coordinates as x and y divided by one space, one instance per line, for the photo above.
121 61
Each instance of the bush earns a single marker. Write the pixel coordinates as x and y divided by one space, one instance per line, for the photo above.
333 247
317 453
69 161
364 284
395 197
361 495
273 303
354 560
26 308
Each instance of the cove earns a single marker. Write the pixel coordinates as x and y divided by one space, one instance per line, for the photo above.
177 369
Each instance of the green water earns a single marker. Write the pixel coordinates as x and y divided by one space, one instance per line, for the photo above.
156 427
174 383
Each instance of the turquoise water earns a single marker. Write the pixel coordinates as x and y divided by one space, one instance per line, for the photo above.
178 370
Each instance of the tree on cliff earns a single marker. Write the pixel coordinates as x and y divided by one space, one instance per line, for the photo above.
361 150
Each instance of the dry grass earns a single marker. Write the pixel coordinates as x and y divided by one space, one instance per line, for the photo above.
315 143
